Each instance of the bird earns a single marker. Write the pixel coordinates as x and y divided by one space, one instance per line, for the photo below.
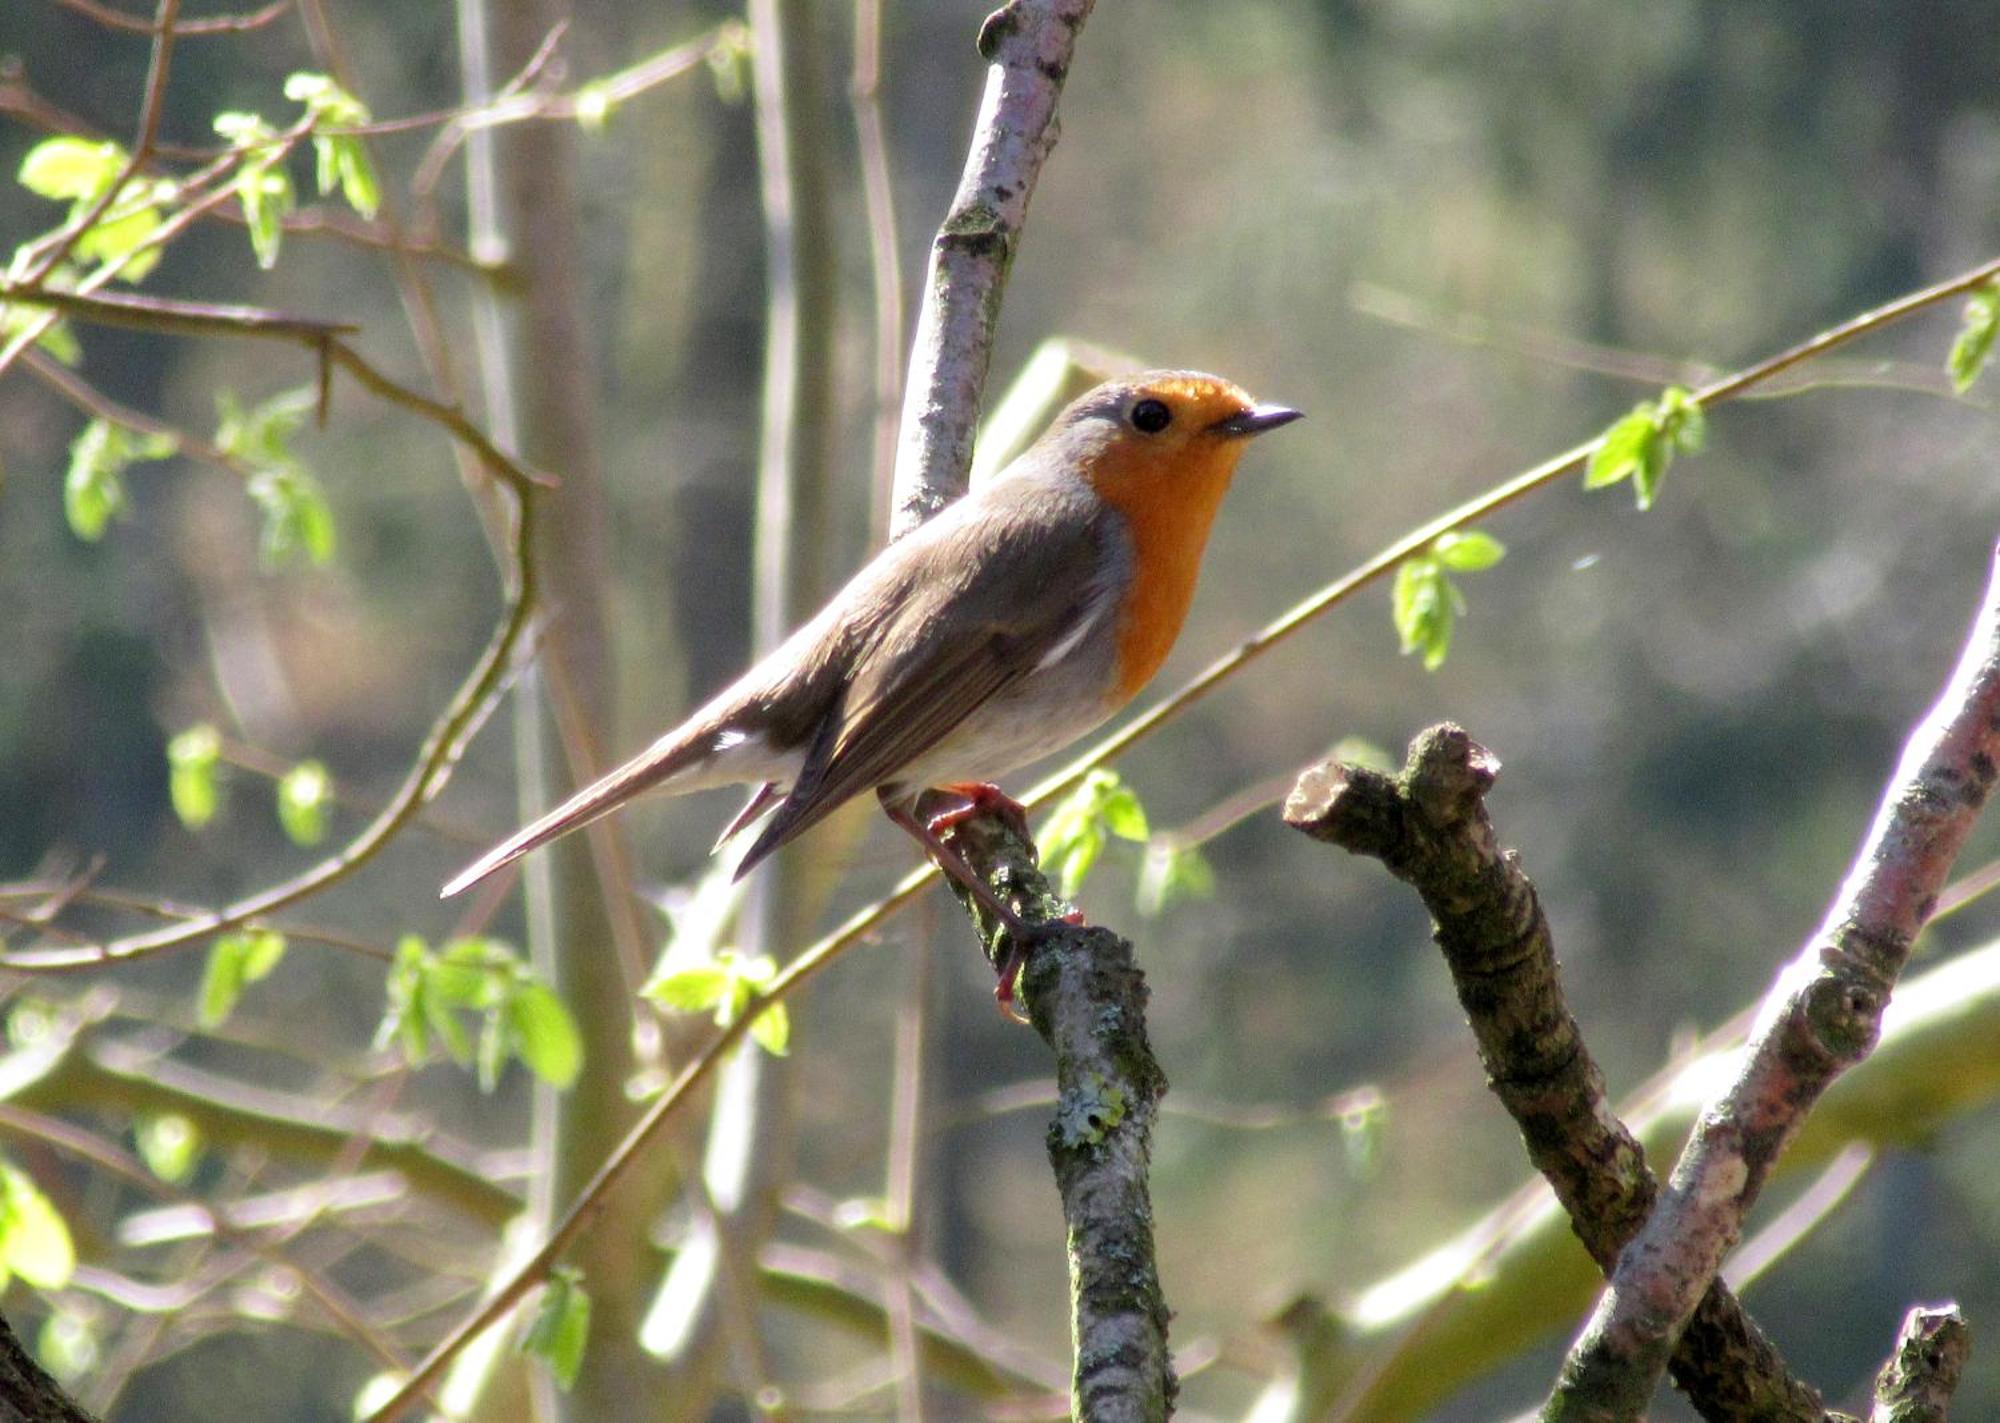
1008 625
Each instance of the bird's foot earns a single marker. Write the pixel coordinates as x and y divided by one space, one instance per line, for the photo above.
980 798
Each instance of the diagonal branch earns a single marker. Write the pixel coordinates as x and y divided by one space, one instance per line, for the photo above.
1028 44
1430 828
1821 1017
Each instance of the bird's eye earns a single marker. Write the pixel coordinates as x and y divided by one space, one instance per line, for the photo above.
1151 416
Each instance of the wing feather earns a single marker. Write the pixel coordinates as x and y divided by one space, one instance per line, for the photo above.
952 646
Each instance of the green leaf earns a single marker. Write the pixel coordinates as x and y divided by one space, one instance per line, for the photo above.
118 239
67 1345
561 1327
358 183
304 794
1169 874
1643 444
1124 816
78 169
1468 550
689 990
1422 605
169 1144
296 517
1683 420
340 159
34 1241
193 758
542 1034
773 1030
262 185
262 434
1074 835
729 63
326 102
402 1019
235 961
1621 448
1974 342
94 486
93 490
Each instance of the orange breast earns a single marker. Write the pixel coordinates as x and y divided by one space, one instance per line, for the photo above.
1167 513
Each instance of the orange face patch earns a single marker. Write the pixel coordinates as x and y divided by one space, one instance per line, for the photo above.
1167 485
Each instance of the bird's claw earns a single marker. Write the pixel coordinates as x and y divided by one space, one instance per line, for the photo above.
981 798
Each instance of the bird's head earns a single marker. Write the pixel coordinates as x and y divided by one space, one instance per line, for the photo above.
1163 438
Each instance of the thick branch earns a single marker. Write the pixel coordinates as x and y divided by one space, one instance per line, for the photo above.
1917 1383
1430 827
1028 43
1087 999
1821 1017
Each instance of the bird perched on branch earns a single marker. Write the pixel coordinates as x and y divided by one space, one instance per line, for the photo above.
1006 627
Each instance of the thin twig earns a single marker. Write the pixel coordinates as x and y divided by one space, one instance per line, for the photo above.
158 66
206 25
1821 1017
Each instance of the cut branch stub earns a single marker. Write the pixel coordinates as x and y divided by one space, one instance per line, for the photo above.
1917 1383
1429 826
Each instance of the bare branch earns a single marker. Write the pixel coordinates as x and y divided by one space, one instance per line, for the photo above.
1028 43
1917 1383
207 25
1430 828
1821 1017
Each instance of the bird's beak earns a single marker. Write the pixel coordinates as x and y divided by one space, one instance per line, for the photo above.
1256 420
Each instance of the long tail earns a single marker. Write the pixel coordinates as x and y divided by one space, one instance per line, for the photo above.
659 763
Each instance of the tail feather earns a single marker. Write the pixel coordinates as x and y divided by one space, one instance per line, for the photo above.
658 764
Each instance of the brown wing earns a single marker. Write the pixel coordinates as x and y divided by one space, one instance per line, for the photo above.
989 598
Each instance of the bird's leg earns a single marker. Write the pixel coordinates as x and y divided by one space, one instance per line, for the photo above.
981 798
1020 933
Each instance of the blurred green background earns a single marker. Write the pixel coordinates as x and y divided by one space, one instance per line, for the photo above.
1440 227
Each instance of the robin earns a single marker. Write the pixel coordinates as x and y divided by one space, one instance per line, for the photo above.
1006 627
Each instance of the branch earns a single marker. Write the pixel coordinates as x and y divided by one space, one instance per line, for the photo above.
1430 828
158 66
1821 1017
1028 43
1917 1383
1087 999
208 25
